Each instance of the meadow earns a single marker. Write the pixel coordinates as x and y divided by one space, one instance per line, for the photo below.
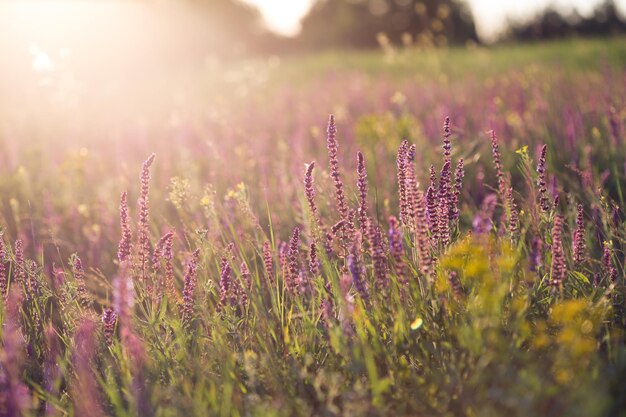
412 232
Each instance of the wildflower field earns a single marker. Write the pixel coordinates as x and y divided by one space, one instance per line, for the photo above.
404 233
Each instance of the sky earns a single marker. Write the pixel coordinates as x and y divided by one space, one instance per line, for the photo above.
283 16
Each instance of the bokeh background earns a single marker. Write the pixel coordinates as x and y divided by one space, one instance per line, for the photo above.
505 297
111 66
228 92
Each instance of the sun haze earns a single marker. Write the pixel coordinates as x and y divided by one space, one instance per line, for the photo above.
282 16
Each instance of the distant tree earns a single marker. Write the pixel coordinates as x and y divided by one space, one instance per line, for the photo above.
358 23
551 24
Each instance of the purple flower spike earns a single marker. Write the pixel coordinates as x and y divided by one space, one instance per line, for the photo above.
559 267
578 242
333 147
362 187
124 248
189 287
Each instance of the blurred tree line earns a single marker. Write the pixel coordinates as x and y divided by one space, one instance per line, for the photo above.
237 27
551 24
360 23
342 24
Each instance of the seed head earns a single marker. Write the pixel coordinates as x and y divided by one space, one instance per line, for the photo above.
514 215
411 182
423 247
225 283
338 227
362 187
293 260
79 276
20 263
432 207
309 191
443 210
268 261
163 252
109 319
607 263
459 173
401 173
168 256
455 284
314 263
447 146
578 242
333 147
495 152
143 253
3 270
541 180
244 286
124 248
559 267
189 286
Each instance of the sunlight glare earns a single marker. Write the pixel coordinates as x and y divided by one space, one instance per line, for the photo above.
283 16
